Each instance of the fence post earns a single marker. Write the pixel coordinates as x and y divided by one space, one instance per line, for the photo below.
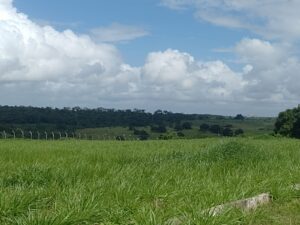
39 135
14 134
46 135
4 134
30 132
53 136
22 132
66 135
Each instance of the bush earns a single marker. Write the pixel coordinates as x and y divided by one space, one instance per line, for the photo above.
165 137
159 129
178 127
204 127
187 126
216 129
180 134
120 138
227 132
142 134
239 132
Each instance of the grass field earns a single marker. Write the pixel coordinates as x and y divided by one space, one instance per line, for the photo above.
94 182
252 126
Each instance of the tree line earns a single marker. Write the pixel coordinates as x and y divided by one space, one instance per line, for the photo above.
68 119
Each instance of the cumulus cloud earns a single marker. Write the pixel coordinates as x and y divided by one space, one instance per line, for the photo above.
42 66
273 71
118 32
179 75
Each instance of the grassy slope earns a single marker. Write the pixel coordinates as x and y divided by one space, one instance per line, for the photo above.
251 126
85 182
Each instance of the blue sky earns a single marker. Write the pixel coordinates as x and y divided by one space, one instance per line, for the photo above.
167 28
194 56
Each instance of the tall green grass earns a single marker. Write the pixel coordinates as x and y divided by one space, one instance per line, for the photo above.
86 182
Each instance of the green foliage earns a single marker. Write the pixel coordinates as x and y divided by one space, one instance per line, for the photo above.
239 117
288 123
238 132
204 127
186 126
227 132
158 129
141 134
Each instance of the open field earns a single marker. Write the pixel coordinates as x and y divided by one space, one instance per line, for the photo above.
252 126
94 182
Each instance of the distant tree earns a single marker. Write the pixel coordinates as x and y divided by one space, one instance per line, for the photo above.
204 127
216 129
180 134
158 129
186 126
227 132
238 132
203 117
131 128
239 117
120 138
178 127
141 134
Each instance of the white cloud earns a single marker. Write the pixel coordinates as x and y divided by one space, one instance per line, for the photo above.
176 75
42 66
273 19
273 71
118 32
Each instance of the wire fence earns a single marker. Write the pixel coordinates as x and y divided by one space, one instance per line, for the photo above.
58 135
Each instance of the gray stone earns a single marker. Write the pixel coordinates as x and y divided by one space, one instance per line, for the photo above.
244 204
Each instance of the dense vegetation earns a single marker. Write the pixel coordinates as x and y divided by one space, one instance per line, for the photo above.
75 118
111 124
288 123
146 183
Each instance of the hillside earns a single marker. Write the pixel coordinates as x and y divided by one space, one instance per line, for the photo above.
110 124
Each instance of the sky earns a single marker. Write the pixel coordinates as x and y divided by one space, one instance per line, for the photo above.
195 56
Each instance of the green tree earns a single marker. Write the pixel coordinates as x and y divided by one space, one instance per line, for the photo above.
227 132
288 123
204 127
238 132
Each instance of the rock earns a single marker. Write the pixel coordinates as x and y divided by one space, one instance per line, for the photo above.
174 221
244 204
296 187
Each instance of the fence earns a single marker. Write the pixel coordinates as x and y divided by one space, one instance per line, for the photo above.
57 135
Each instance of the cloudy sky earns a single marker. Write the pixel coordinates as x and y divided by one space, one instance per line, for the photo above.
196 56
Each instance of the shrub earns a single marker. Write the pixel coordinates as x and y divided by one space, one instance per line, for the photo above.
159 129
227 132
204 127
239 132
187 126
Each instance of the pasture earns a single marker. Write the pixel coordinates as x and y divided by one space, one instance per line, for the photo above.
147 183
